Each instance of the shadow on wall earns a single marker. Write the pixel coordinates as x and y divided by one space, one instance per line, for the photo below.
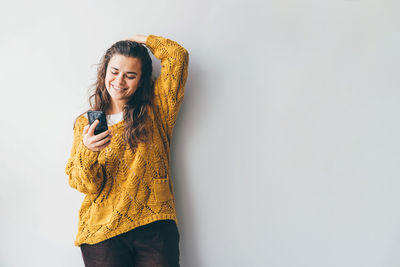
184 129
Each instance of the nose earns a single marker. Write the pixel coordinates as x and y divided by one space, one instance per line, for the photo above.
119 80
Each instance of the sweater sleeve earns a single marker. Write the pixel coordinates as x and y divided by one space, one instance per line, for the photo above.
169 86
83 169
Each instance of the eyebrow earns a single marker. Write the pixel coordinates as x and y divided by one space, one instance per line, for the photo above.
130 72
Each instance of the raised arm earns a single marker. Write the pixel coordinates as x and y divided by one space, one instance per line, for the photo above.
83 168
169 86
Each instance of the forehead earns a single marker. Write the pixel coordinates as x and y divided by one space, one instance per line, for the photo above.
124 63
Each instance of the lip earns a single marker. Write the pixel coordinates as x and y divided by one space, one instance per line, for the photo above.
118 90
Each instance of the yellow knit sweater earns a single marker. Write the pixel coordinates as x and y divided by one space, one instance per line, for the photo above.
138 188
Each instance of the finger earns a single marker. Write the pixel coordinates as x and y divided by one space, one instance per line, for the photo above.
102 135
93 126
104 145
103 141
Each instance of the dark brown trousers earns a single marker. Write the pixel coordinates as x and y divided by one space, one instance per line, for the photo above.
155 244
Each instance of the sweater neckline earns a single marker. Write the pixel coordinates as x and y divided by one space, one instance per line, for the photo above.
115 125
115 114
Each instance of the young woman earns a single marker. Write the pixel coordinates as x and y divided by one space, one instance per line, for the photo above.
128 215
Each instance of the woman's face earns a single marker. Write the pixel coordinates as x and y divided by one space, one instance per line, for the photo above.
122 79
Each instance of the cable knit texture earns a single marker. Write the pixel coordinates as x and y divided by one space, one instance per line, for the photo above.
127 188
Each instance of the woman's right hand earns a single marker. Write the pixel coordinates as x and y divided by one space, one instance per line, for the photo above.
96 142
139 38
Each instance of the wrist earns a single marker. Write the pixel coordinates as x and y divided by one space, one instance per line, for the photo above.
139 38
144 39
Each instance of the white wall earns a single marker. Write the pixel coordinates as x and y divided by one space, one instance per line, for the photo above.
286 150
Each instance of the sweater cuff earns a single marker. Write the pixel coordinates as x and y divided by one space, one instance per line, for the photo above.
89 155
153 42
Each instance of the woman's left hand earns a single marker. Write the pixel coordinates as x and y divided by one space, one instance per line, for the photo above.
139 38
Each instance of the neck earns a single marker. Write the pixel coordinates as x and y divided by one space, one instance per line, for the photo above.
114 110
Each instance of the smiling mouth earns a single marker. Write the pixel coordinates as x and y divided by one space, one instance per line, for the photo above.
118 88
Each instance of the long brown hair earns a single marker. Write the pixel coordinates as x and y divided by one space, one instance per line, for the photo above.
135 112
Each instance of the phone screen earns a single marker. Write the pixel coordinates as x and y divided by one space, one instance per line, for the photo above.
98 115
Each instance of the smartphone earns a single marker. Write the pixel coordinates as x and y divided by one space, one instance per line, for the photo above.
98 115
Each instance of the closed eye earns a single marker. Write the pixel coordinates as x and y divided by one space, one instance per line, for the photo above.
132 77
